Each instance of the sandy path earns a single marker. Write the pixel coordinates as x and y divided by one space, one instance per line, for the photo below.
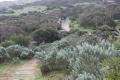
27 71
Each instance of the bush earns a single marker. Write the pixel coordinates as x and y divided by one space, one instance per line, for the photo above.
87 58
21 40
26 54
77 58
4 56
117 43
50 48
106 31
16 51
112 67
7 43
44 69
86 76
45 36
80 55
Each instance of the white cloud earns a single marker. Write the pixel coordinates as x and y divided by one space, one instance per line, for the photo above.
6 0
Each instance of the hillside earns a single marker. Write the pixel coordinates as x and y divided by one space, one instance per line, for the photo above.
60 40
25 1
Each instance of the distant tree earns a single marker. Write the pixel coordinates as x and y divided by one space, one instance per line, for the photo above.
45 35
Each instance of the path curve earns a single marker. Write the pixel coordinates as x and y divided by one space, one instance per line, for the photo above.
28 71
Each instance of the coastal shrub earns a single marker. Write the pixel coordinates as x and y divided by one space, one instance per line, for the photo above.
112 67
26 54
87 59
21 40
7 43
117 44
14 50
81 56
51 62
77 58
45 35
86 76
44 69
4 56
17 51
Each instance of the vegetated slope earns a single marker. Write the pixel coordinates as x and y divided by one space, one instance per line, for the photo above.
85 17
7 4
82 53
26 10
25 1
35 5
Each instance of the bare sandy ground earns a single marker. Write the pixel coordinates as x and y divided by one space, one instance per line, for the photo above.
27 71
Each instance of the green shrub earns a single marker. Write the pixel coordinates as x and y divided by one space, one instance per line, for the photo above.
42 47
7 43
21 40
112 67
80 55
26 54
87 58
117 44
86 76
55 47
45 35
106 31
16 51
45 69
4 56
76 58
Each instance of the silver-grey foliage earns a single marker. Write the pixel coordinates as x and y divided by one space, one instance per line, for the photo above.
83 60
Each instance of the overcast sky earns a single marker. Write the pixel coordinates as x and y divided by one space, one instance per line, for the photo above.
6 0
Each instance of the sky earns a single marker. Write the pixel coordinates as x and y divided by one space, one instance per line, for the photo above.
6 0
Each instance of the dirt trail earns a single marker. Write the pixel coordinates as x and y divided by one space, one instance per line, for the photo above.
27 71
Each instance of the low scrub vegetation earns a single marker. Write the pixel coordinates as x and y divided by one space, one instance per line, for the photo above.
19 52
7 43
112 67
45 35
82 61
89 51
3 55
21 40
15 52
